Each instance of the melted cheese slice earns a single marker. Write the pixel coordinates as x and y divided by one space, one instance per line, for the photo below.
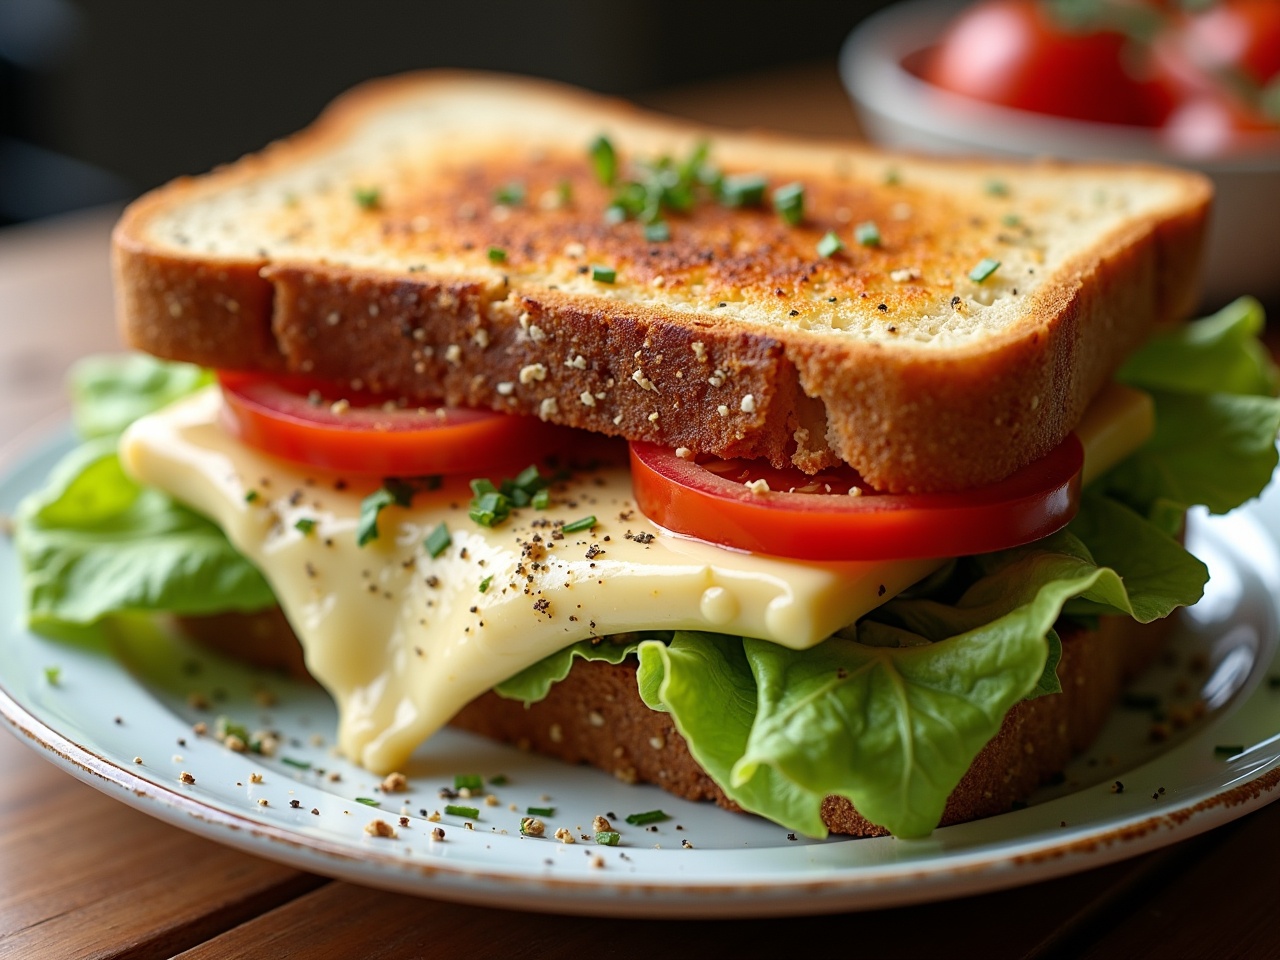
403 640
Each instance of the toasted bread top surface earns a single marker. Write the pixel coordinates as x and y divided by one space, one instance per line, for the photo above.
482 187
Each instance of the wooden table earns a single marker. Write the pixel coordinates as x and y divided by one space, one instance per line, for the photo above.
82 875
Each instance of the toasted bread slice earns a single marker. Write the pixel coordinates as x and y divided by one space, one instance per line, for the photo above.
386 246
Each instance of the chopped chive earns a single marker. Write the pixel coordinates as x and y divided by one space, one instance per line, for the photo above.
541 811
892 177
830 245
867 234
484 584
369 801
608 838
657 232
509 195
304 525
542 499
250 496
468 781
529 478
1011 220
615 213
788 200
1228 750
604 160
454 810
490 508
743 190
392 491
985 268
367 198
649 816
299 764
499 781
52 675
497 254
997 188
438 540
603 274
582 523
224 727
564 193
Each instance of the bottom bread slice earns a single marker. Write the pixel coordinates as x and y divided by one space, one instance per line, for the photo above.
595 716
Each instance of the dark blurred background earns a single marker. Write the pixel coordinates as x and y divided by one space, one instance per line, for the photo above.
100 99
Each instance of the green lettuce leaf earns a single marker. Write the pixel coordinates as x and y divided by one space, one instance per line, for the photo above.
1216 418
533 683
1217 354
109 392
93 543
893 719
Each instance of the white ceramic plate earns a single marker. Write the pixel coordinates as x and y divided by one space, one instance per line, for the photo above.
129 697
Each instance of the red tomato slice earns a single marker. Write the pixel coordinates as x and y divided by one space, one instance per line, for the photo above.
295 418
710 502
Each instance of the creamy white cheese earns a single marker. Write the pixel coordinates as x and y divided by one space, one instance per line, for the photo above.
403 640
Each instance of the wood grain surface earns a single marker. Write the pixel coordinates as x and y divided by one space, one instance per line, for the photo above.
82 875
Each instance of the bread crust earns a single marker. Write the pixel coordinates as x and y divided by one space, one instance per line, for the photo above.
595 716
722 340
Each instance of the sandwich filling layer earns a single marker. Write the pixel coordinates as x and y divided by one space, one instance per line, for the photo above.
403 639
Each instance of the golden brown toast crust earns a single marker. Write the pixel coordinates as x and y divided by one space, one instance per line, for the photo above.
734 338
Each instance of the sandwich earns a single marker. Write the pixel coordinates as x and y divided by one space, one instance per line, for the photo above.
819 482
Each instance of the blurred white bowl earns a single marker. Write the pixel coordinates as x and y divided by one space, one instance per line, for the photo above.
900 110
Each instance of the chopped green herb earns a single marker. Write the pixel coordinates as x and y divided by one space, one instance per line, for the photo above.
997 188
224 727
604 160
582 523
392 492
608 838
867 234
541 499
789 202
52 675
1228 750
830 245
564 193
299 764
497 254
484 584
602 274
437 541
1011 220
657 232
615 213
304 525
892 177
985 268
510 195
369 801
499 781
251 496
454 810
743 190
468 781
528 478
490 509
541 811
649 816
368 198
